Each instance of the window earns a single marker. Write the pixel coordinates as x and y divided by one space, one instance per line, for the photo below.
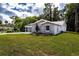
47 27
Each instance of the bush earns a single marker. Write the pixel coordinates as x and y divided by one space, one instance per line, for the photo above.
9 31
16 29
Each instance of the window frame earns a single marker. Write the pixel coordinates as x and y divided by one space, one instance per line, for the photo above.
47 27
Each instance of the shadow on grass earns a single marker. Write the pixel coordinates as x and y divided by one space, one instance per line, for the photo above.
46 34
73 32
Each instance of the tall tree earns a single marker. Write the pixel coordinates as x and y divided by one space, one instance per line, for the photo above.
48 11
27 21
13 18
71 16
6 22
51 12
17 23
56 15
0 22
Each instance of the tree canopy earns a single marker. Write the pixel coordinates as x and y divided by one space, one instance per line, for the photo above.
19 23
70 15
0 22
48 12
56 13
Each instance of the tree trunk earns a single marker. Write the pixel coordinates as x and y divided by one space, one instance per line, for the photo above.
76 20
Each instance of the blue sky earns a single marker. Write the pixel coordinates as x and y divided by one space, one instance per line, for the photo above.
31 8
23 9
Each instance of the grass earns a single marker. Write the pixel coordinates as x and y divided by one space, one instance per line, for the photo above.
66 44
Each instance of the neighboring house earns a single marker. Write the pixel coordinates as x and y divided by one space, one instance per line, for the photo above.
47 27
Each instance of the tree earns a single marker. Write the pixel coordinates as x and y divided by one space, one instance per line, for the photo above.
51 12
48 11
31 19
61 14
56 15
6 22
27 21
0 22
70 16
23 25
13 18
19 23
18 19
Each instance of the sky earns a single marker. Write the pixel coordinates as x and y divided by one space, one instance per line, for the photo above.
23 9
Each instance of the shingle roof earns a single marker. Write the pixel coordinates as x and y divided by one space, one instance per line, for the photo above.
54 22
42 21
59 22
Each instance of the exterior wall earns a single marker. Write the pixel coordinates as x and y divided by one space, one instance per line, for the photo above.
64 27
34 25
43 28
33 28
59 29
54 29
28 29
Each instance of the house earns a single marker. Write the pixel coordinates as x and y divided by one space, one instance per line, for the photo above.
47 27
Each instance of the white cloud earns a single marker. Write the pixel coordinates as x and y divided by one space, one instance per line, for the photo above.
6 17
40 1
38 6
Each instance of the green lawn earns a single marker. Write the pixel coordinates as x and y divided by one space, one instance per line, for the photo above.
22 44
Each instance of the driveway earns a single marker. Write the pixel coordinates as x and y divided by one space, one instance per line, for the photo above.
16 33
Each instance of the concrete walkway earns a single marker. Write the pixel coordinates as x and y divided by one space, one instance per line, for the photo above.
16 33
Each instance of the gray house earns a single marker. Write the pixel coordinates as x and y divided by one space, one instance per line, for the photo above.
47 27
